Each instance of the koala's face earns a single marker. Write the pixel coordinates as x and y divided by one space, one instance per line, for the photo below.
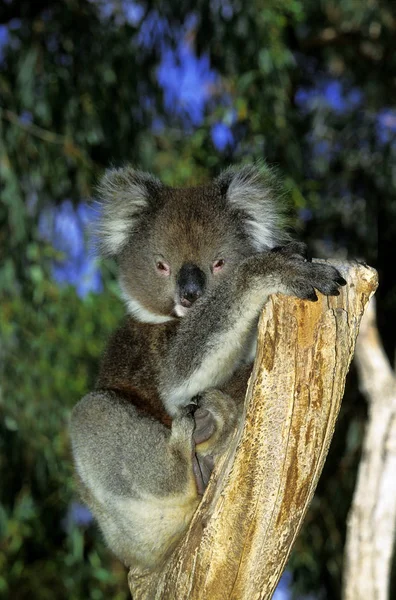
180 251
174 245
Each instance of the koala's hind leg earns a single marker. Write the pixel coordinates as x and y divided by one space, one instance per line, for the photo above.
137 476
219 411
215 419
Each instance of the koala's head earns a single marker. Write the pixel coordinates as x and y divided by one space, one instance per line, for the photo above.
173 245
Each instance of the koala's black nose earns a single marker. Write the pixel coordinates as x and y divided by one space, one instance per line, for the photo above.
190 283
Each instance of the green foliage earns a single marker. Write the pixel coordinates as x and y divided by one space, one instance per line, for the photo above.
50 351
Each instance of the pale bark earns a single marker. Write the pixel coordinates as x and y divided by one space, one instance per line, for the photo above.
241 536
372 519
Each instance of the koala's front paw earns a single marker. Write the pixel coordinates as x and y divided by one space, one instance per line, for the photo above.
308 277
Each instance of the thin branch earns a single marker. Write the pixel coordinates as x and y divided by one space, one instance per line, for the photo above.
46 136
372 519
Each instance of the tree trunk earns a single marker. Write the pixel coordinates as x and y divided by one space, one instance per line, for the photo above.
372 519
241 536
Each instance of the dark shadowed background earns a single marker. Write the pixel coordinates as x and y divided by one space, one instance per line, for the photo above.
181 89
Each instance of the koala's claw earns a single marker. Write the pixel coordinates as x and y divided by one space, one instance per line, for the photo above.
202 469
318 276
312 296
204 425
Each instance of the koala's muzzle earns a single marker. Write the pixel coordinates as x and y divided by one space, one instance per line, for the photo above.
190 283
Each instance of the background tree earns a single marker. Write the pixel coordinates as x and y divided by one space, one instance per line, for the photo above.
182 89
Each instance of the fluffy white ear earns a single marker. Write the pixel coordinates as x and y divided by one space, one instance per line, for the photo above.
123 197
255 191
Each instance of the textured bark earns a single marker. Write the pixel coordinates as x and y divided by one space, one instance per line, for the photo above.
372 519
241 536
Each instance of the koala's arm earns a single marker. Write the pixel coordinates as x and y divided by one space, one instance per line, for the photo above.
213 338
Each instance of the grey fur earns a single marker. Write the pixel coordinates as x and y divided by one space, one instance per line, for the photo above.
123 196
255 190
141 477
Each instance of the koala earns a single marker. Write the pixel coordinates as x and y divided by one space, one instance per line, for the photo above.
196 266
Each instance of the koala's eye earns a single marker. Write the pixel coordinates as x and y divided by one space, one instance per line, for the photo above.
218 265
162 267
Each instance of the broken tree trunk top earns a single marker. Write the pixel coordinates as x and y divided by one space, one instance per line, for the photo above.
241 536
